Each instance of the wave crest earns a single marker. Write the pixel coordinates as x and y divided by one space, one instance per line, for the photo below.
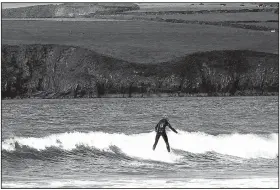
140 145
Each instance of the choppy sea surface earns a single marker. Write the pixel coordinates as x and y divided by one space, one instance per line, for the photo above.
102 143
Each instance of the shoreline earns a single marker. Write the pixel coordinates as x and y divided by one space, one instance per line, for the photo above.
142 96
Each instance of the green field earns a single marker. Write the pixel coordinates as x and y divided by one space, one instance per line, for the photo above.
274 25
156 7
221 17
138 41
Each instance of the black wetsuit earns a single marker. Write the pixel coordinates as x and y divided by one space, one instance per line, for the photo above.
160 130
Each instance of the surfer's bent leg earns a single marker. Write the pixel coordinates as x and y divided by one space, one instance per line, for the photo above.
164 136
156 141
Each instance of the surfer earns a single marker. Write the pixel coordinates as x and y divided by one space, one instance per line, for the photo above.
160 130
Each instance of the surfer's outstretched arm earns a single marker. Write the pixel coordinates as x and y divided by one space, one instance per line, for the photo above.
174 130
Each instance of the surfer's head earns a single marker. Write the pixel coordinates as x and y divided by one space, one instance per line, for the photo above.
165 117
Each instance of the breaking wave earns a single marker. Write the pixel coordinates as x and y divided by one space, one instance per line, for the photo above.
140 145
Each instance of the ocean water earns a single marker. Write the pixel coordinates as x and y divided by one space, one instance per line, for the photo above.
107 143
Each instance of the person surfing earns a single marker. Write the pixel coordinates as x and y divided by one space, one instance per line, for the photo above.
160 130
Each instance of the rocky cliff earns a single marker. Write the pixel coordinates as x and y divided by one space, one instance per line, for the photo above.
54 71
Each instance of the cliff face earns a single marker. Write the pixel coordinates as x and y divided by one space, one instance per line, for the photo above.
68 10
230 72
53 71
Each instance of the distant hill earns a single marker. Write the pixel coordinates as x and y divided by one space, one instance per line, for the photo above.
68 10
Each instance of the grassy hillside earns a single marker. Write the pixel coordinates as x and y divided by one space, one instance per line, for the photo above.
221 17
259 15
53 71
92 9
139 41
68 10
209 6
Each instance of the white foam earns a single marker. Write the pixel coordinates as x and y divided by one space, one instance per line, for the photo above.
152 183
240 145
234 183
140 145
